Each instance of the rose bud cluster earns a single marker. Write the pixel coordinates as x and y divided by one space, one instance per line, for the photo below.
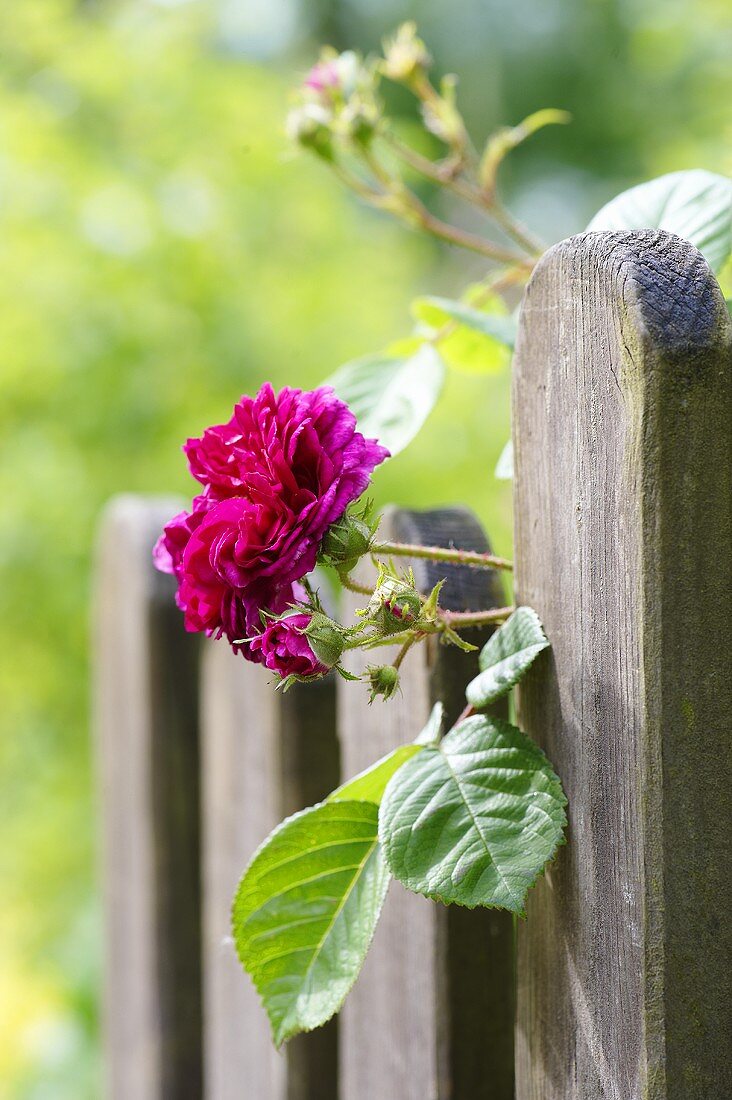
336 100
274 478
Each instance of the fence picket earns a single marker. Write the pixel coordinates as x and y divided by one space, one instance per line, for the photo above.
431 1015
146 692
622 502
265 755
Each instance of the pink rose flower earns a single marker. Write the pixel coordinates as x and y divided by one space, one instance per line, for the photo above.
168 550
275 477
283 648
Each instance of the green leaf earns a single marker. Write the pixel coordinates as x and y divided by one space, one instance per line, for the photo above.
369 785
495 325
508 137
474 819
432 732
504 466
696 205
391 396
306 910
506 656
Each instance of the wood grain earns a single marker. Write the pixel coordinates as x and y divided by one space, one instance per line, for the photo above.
622 414
265 756
431 1016
146 692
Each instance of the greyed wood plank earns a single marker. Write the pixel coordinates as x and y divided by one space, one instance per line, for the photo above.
622 414
265 755
431 1016
146 723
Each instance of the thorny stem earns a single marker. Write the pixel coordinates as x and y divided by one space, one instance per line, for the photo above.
454 235
489 202
391 639
349 179
441 553
417 213
458 620
432 171
405 650
354 586
514 228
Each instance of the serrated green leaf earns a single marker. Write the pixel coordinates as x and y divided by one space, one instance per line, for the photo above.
504 466
506 656
391 397
474 819
306 910
696 205
497 326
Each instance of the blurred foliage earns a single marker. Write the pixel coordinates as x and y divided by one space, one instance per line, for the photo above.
162 253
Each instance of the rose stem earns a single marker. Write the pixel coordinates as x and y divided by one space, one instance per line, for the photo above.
466 713
470 193
353 585
404 650
458 620
441 553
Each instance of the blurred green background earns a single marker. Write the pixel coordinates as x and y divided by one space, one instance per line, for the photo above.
162 252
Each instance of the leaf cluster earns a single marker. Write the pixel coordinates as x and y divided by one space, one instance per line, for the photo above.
468 818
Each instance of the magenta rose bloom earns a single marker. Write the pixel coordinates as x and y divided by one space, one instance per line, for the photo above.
275 477
283 648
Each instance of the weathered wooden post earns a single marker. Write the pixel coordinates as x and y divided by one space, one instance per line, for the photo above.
265 755
622 418
431 1016
146 719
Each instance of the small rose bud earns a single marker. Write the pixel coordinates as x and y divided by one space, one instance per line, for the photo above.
336 77
383 680
336 101
358 121
405 54
310 126
395 605
325 638
345 541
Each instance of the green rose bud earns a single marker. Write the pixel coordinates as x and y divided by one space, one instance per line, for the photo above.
383 680
395 605
325 638
345 541
405 55
310 126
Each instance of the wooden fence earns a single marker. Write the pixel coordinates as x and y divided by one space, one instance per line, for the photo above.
620 985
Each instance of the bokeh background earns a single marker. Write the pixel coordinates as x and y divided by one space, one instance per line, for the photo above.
162 252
